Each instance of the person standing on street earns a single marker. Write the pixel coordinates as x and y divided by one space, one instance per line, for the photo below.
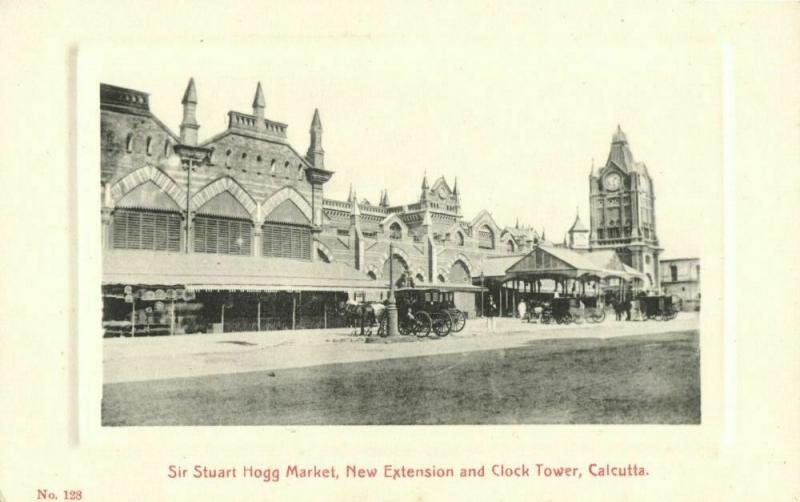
491 312
522 308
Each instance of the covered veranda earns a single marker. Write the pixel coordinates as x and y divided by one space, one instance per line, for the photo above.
173 293
547 270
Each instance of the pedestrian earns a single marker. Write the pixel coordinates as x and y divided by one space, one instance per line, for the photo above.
522 309
491 312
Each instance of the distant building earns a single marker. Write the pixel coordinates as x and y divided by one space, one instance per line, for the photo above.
681 277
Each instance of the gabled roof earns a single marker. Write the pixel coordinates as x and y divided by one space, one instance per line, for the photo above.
484 214
438 183
547 260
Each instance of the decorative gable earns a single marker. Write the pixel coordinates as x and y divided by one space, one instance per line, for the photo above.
224 204
288 212
148 195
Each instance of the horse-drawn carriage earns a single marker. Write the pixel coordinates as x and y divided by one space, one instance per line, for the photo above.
660 308
420 311
566 310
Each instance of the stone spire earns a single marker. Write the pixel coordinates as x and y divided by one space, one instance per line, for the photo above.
355 210
350 194
455 188
259 103
384 198
189 125
424 195
315 154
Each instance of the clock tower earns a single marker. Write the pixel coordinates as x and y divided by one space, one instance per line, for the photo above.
622 215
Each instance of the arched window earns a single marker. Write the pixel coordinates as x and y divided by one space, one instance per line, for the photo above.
459 273
485 238
167 147
460 239
299 171
510 246
287 233
146 218
129 143
395 231
399 269
149 146
272 167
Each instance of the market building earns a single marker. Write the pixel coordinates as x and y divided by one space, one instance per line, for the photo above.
235 232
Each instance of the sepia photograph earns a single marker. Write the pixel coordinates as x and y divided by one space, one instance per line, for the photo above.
519 258
399 251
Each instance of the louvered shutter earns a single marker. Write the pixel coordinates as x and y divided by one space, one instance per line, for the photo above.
286 241
222 235
142 229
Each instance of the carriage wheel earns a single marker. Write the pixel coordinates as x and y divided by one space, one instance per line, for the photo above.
403 326
442 324
599 316
578 319
458 321
423 324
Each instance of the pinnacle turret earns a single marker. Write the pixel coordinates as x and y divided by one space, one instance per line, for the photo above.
315 154
189 125
190 95
259 103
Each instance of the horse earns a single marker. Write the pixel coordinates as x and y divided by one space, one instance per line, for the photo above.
362 316
622 307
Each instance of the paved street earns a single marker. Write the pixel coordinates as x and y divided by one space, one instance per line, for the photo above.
611 374
156 358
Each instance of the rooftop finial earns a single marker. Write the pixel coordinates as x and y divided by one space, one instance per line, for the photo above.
350 194
316 122
259 103
189 125
316 154
425 180
190 96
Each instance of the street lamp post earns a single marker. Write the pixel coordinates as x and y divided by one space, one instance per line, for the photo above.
189 166
482 306
391 307
190 158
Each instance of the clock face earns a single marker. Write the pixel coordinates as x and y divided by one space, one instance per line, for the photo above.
612 181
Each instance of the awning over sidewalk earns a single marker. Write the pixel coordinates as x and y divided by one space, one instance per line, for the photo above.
446 286
212 272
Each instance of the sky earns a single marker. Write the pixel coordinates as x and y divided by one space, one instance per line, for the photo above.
518 120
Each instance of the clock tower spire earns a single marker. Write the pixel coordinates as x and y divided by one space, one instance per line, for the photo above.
622 210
